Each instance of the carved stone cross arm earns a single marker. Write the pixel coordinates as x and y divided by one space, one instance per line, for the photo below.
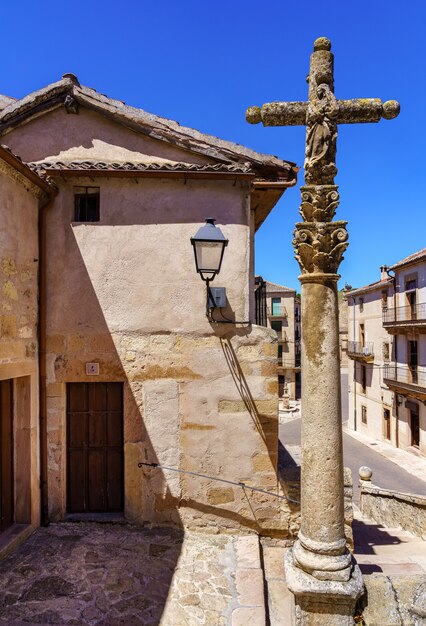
321 115
359 110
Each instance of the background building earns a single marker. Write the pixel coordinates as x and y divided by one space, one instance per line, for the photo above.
283 315
387 351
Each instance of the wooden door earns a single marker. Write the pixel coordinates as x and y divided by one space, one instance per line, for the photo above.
7 495
95 447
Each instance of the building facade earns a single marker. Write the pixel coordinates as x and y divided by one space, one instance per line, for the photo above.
387 351
127 369
283 316
23 195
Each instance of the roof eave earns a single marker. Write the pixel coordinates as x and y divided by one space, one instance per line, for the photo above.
33 177
191 140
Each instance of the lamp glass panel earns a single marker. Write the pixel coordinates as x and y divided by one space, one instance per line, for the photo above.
208 255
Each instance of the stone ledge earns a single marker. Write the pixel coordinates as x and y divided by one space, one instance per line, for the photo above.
13 537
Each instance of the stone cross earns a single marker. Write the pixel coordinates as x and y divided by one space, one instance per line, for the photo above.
321 573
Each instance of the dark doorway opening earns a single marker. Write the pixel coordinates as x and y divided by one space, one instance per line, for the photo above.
95 448
415 427
386 424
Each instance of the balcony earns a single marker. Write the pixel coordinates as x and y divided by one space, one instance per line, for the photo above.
289 364
277 310
406 380
360 351
282 335
405 317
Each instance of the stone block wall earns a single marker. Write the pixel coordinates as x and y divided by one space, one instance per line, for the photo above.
18 332
394 509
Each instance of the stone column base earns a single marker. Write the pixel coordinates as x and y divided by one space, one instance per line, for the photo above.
322 602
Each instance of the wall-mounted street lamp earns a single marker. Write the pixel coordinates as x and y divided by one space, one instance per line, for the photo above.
209 245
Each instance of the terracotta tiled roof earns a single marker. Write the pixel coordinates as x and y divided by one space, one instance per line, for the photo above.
371 287
41 179
5 101
160 128
412 258
137 167
275 287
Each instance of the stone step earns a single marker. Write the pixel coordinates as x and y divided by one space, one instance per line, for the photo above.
279 598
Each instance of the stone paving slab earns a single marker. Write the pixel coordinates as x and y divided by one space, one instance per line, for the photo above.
121 575
280 599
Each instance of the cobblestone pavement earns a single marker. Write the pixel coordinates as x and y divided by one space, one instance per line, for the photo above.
111 575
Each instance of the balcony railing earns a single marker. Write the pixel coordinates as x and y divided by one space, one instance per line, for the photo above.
394 375
282 335
360 350
405 315
278 310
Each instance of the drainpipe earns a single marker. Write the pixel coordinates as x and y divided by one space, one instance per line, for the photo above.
395 351
44 509
354 303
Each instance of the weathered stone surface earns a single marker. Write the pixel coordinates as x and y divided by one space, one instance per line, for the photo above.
106 575
382 607
394 509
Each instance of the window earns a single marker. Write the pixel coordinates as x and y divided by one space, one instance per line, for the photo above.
362 334
280 354
361 304
385 299
281 386
411 285
413 360
363 414
277 326
86 204
276 306
386 351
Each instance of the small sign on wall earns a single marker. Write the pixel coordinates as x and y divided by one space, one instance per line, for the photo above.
92 369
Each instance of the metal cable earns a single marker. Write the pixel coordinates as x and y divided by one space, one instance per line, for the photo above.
221 480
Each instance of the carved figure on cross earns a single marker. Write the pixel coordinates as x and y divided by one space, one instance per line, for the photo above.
321 115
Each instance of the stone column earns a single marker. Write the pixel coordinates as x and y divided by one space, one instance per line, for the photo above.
320 570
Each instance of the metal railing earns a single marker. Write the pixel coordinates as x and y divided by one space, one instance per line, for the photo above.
405 375
401 314
277 310
357 348
282 335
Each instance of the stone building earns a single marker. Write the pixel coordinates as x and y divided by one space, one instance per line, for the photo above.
130 368
343 328
23 194
387 351
283 314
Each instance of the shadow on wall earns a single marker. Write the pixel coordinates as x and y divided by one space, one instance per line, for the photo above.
287 480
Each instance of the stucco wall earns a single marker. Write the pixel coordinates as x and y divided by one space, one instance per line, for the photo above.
89 136
200 397
377 395
18 341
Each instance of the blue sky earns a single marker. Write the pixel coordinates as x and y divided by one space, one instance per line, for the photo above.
202 64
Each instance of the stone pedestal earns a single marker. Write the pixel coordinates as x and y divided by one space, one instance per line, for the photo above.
322 603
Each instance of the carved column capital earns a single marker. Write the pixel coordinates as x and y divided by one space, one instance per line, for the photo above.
319 202
319 246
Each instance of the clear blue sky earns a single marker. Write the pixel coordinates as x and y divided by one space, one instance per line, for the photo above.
202 63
